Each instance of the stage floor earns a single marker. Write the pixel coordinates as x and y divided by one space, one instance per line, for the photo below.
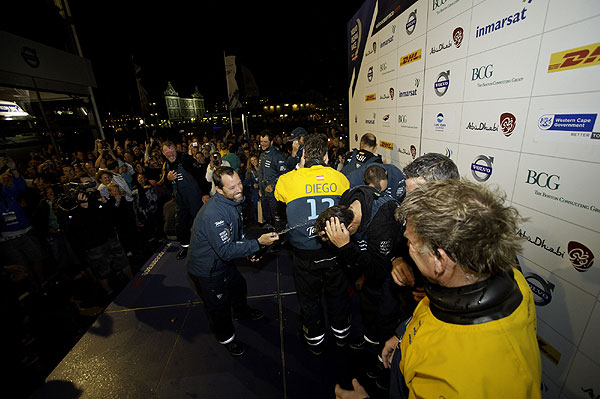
153 341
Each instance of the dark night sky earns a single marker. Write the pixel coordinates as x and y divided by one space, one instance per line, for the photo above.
288 46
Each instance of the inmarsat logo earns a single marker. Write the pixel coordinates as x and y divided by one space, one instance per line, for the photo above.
507 123
482 168
542 289
457 36
442 83
580 256
411 24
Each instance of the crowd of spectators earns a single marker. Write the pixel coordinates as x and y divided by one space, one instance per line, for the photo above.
63 214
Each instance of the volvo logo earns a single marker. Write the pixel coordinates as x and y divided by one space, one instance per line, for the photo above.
482 168
30 57
442 83
542 289
411 23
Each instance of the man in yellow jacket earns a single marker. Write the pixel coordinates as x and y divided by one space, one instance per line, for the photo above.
474 335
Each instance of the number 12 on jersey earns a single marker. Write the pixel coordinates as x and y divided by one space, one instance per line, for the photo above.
312 202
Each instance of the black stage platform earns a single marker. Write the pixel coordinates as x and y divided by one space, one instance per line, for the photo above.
153 341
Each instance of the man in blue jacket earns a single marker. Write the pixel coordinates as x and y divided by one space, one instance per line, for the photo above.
217 240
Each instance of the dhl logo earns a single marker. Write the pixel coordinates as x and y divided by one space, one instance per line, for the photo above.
575 58
385 144
408 58
371 97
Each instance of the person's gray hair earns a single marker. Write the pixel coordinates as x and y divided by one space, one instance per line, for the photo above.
432 166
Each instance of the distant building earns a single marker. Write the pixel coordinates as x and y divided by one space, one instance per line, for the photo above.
183 109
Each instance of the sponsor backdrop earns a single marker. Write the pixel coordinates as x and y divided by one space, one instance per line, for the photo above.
510 90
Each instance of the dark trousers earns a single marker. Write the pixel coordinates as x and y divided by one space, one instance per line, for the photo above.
383 307
221 293
268 204
188 205
316 275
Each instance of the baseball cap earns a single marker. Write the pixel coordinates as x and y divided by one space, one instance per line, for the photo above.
297 133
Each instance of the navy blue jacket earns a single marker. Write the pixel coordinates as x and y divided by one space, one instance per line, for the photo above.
217 238
271 165
396 180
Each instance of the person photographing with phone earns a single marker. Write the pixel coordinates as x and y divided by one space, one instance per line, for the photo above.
215 162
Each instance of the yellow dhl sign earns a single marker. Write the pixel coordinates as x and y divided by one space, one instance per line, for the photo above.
371 97
408 58
575 58
387 145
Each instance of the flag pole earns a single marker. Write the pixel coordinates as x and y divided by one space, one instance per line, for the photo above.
228 99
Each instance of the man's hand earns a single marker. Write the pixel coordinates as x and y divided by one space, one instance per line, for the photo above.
418 293
388 351
358 392
337 233
402 272
268 238
205 198
82 200
172 175
295 147
269 189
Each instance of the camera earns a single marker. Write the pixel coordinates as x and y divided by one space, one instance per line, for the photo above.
216 160
195 144
68 201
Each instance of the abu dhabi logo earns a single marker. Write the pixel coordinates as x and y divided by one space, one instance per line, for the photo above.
542 289
370 74
458 36
581 257
481 168
442 83
411 24
507 123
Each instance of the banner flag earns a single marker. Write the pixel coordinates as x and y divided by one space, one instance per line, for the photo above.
233 91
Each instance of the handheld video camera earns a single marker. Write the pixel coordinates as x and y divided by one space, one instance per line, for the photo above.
68 201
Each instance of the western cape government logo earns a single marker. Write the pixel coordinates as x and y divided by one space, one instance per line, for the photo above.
411 24
481 168
568 122
501 23
580 256
441 84
542 289
579 57
411 57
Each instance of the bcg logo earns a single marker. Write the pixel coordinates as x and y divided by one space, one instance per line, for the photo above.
581 257
507 123
483 72
402 118
543 180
